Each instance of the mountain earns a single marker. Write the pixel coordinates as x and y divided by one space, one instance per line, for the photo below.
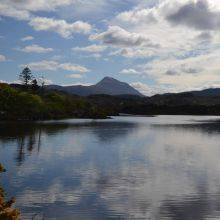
207 92
107 86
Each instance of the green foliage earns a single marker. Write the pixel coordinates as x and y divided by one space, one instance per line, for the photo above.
26 76
19 104
16 104
6 210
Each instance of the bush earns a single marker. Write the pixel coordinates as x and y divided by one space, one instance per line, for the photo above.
6 210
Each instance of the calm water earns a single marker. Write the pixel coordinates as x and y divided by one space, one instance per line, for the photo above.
165 167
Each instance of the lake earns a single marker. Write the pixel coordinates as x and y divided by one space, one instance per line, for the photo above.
165 167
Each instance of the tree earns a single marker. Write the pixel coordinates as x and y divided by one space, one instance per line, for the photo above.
34 85
26 76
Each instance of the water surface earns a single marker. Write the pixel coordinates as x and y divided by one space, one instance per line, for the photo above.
165 167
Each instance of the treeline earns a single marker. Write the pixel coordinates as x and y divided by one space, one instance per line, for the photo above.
168 104
31 100
18 102
27 104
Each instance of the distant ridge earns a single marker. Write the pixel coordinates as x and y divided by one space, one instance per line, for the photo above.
107 86
114 87
207 92
210 92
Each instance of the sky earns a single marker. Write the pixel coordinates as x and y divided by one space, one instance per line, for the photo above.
156 46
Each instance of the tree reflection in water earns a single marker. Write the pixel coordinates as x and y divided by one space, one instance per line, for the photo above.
26 144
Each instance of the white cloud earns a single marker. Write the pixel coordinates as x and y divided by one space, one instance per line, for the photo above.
8 11
150 90
172 38
160 33
39 5
185 74
2 58
61 27
43 80
143 88
34 48
73 67
90 49
75 76
27 38
187 57
48 82
25 9
54 66
130 72
118 36
77 6
44 65
135 52
137 16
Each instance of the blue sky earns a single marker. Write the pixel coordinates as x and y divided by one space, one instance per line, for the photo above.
155 45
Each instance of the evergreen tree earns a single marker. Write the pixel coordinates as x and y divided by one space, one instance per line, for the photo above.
34 85
26 76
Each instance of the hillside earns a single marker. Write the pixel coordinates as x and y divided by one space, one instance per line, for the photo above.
107 85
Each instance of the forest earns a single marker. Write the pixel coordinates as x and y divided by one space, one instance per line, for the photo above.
28 104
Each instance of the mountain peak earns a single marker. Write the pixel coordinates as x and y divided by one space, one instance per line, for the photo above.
107 85
108 79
